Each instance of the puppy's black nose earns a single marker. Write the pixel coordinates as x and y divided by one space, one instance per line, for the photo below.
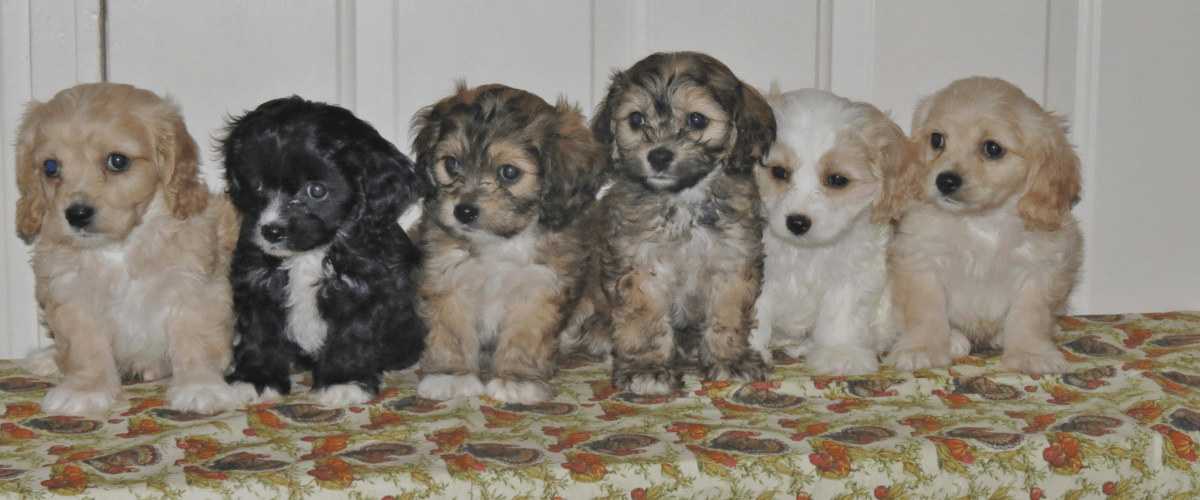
80 215
798 224
272 232
466 212
660 158
948 182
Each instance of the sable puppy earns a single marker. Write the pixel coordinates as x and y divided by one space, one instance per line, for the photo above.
990 251
503 237
680 247
130 250
322 273
829 190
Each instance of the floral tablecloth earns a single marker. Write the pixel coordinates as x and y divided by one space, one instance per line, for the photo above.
1123 424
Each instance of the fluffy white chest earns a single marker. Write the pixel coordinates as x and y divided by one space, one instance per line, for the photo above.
501 273
304 324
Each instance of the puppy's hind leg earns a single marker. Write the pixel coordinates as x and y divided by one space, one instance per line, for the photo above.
643 342
725 351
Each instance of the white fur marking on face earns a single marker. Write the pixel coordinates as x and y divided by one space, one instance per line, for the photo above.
341 396
443 387
305 326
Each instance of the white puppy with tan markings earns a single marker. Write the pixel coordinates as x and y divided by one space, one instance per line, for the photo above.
829 199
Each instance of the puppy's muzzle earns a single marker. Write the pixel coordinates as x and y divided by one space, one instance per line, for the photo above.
466 212
273 233
798 224
948 182
79 215
660 159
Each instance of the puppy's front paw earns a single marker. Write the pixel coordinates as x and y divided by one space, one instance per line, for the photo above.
512 391
749 368
341 396
40 362
960 345
657 381
209 399
909 357
443 387
248 395
1049 361
840 360
67 400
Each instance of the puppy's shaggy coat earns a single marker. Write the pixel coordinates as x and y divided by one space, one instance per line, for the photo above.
680 248
322 274
829 195
130 250
503 235
990 252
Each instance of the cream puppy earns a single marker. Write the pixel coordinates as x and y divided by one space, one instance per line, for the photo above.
990 252
828 198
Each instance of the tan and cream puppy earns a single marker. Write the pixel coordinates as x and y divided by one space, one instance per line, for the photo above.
990 251
130 250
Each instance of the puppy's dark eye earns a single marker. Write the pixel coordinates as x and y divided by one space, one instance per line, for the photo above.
993 150
837 181
697 121
509 173
779 173
317 190
636 119
937 141
118 162
451 164
51 168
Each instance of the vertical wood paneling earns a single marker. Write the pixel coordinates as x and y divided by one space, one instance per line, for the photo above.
18 328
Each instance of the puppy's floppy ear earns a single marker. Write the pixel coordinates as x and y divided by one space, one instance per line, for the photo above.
31 206
427 125
603 122
178 160
1053 180
755 124
388 180
573 167
893 160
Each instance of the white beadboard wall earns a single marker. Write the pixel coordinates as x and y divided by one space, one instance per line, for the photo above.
1125 74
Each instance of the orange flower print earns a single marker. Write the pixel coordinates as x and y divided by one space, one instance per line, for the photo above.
566 440
714 455
448 440
1145 412
332 473
1137 337
197 449
809 430
616 410
69 480
499 418
381 419
206 474
601 389
463 462
143 404
846 405
959 449
922 423
68 454
1184 446
1062 396
16 432
730 411
713 387
262 421
17 411
688 432
1063 454
831 459
141 427
585 467
326 446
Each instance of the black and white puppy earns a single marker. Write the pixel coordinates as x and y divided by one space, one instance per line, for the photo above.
322 273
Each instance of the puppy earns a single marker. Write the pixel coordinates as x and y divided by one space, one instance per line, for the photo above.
322 273
130 250
989 253
503 236
680 247
829 195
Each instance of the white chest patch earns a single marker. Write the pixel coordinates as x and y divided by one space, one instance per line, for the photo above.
304 324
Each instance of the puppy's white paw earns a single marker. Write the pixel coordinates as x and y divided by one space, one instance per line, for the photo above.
960 345
649 385
512 391
1049 361
443 387
207 398
759 340
341 396
69 401
40 362
799 350
249 396
842 360
909 358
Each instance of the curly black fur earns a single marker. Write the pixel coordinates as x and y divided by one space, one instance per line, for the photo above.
364 292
